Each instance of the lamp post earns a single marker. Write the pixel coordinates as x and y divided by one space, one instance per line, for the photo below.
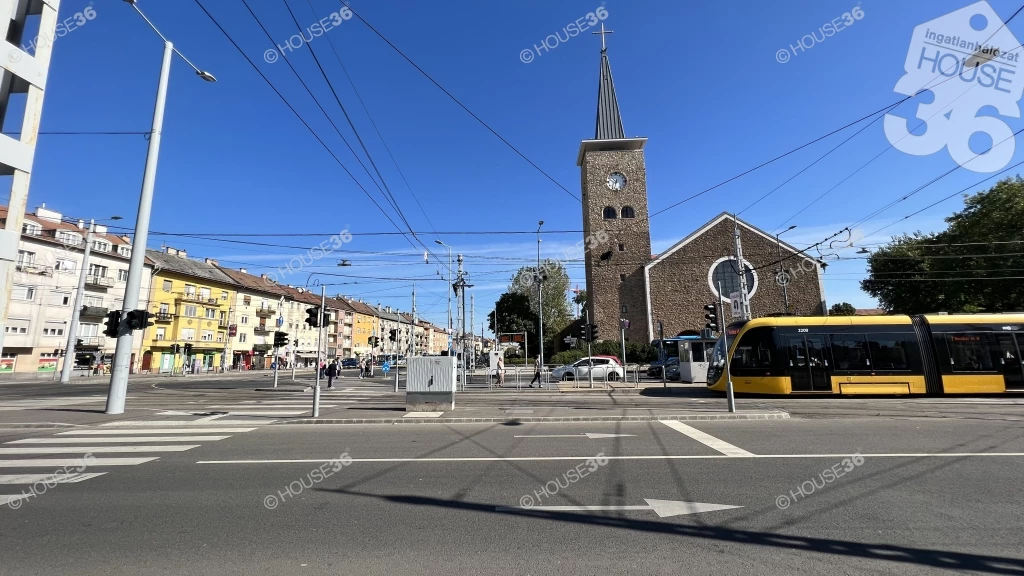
122 355
540 301
439 243
785 285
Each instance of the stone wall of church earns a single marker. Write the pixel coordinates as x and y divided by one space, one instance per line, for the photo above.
680 287
606 263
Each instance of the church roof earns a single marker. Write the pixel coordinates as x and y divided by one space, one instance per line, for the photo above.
609 123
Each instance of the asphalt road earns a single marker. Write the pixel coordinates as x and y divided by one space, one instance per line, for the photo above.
437 499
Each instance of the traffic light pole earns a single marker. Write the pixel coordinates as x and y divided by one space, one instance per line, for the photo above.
69 351
277 365
661 346
319 330
730 398
590 358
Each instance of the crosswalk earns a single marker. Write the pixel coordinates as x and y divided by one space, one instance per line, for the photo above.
283 405
142 441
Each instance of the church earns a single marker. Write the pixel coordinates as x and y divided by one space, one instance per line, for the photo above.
625 281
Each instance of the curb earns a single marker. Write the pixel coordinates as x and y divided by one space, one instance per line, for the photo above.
285 389
526 419
51 425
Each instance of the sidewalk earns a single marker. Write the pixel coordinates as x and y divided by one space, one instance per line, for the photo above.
92 379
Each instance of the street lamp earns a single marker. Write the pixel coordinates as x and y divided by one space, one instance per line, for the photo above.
439 243
122 356
540 300
785 289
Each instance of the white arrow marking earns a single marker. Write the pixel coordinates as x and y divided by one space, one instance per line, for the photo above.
591 435
663 508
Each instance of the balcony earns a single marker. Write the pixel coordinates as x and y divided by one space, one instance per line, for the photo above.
262 329
93 312
223 324
265 312
163 317
198 299
35 269
93 341
99 281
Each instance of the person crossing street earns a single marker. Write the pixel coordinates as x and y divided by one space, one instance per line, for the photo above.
332 373
536 372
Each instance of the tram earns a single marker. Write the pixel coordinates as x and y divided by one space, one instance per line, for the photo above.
883 355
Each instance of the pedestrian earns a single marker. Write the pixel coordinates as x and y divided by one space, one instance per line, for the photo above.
500 371
332 372
362 367
536 372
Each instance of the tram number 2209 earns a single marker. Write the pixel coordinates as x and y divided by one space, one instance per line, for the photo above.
802 329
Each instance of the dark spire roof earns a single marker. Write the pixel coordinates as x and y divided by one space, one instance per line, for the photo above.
609 123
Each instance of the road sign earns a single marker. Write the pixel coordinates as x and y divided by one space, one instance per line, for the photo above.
386 367
737 304
569 340
280 321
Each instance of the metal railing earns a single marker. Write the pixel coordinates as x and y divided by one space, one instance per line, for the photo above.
102 281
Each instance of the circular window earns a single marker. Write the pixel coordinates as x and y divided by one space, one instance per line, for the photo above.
724 270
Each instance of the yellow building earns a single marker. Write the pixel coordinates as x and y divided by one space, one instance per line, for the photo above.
189 300
360 323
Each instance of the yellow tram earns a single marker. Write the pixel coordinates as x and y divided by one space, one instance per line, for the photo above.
921 354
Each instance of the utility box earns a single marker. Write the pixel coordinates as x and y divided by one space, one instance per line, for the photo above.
430 384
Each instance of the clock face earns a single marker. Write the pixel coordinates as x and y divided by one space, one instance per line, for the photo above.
616 181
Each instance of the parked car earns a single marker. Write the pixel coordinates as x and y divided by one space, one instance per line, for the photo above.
672 372
350 363
655 370
579 370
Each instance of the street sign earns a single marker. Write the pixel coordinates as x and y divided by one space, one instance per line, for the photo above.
569 340
280 321
737 304
386 367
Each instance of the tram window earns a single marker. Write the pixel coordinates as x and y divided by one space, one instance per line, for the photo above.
754 349
850 352
971 352
889 351
698 352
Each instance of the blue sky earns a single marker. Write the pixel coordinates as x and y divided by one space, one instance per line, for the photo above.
701 81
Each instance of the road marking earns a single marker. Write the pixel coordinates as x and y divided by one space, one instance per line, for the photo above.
589 456
213 417
159 431
663 508
47 478
423 415
591 435
129 423
58 462
128 439
8 498
308 405
95 449
706 439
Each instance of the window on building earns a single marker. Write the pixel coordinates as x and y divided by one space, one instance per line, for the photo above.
161 333
101 245
97 270
17 326
628 212
125 251
610 213
122 275
190 311
65 266
241 337
58 298
26 258
86 330
622 247
188 333
889 351
207 336
167 286
224 295
27 293
727 273
165 308
92 300
244 320
971 352
625 309
247 300
190 290
204 293
31 228
622 277
51 328
850 352
211 313
69 238
220 336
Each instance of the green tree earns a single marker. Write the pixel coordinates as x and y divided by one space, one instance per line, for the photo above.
556 286
842 309
514 315
960 268
580 299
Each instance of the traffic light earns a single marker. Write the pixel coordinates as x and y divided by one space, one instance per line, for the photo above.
314 317
78 343
188 349
593 333
393 335
280 339
295 342
175 348
711 316
139 319
113 319
584 331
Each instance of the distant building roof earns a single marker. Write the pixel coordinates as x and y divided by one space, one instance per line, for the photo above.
207 270
869 312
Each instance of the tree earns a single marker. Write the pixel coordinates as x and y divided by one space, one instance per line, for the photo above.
961 269
580 299
556 305
842 309
514 315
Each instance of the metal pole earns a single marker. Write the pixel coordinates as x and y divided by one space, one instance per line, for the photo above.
742 271
730 398
472 323
293 357
69 353
449 300
122 354
540 301
277 365
622 325
590 358
661 344
785 290
316 389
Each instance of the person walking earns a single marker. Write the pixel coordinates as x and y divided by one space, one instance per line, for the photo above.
332 373
536 372
500 371
362 367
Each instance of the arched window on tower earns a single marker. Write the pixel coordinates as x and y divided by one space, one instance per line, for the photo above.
627 212
609 213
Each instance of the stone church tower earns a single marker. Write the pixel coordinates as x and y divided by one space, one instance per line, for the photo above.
615 219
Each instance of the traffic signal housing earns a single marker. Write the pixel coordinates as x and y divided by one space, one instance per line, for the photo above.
280 339
113 320
188 349
592 333
313 317
711 315
139 319
584 331
393 335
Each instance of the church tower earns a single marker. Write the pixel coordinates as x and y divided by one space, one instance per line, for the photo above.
615 218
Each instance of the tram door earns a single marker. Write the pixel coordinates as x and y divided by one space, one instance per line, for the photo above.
1011 362
808 366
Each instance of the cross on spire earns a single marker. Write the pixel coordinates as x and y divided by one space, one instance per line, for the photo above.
602 33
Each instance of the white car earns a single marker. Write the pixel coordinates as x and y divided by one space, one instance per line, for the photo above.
579 370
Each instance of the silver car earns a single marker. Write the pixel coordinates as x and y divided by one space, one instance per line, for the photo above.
579 370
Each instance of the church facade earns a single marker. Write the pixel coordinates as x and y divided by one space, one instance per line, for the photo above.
626 282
